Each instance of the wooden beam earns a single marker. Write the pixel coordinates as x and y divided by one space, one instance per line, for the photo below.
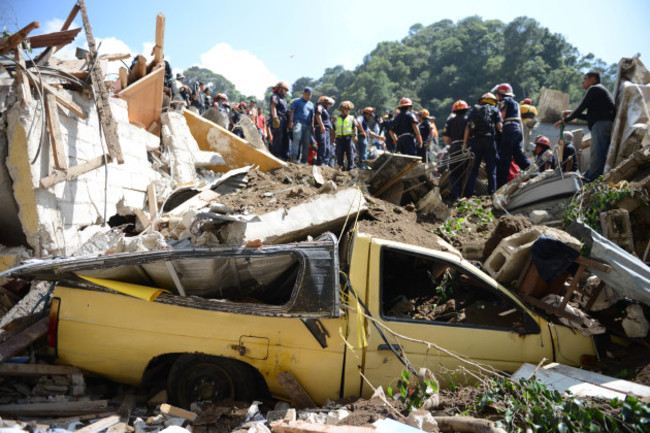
301 399
22 84
55 39
60 98
124 77
56 138
74 171
140 68
62 408
20 341
113 57
103 105
160 40
100 425
68 22
37 370
10 43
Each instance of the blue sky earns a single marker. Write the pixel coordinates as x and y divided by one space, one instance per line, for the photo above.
256 43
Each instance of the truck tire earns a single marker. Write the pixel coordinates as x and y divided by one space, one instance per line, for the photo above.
200 377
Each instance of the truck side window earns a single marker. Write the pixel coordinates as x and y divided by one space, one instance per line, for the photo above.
424 288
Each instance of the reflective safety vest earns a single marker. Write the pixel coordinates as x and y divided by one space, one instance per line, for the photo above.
344 127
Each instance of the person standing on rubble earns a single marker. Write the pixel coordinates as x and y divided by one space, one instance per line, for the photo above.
279 112
528 114
453 135
483 123
426 132
569 154
323 130
252 110
511 136
386 126
260 122
601 112
345 133
405 130
301 121
198 97
364 139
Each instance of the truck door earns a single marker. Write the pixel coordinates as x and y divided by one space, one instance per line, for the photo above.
430 296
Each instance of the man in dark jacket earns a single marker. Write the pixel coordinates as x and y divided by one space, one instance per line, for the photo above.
600 115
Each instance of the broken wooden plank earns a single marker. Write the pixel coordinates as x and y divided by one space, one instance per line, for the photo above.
22 85
396 178
54 39
9 43
103 105
74 171
140 69
62 100
170 410
114 57
160 40
37 370
62 408
153 201
23 339
56 138
300 397
144 98
124 78
100 425
68 22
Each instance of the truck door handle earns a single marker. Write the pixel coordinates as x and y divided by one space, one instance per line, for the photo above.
395 347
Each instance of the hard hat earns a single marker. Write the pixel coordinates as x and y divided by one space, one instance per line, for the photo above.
325 100
243 104
222 96
488 98
542 140
527 101
505 89
405 102
368 110
424 112
459 105
347 104
282 85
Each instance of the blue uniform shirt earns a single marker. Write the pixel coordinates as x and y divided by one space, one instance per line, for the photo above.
325 117
455 127
402 124
280 106
303 111
511 107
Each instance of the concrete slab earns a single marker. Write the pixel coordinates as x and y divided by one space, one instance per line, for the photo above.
326 212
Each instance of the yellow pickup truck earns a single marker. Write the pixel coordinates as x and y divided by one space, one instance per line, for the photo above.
224 322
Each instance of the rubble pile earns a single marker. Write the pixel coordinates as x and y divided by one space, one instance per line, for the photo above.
94 171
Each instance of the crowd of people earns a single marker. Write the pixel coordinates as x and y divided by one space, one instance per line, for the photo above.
492 132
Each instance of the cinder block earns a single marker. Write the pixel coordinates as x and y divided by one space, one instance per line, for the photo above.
509 257
617 228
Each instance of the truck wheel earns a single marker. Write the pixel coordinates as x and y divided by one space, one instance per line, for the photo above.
196 377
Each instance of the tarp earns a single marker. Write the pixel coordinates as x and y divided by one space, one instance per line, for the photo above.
629 277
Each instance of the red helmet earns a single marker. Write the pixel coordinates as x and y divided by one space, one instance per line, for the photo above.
368 110
424 112
488 98
282 85
326 100
243 104
459 105
542 140
405 102
527 101
505 89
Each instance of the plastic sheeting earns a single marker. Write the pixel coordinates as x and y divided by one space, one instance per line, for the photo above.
629 277
631 128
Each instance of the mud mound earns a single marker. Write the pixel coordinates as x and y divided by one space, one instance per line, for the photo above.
507 225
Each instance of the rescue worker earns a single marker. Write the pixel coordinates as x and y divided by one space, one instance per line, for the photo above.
279 112
542 144
405 130
569 154
239 110
453 135
385 127
483 123
511 136
323 130
301 122
528 114
363 139
426 132
345 133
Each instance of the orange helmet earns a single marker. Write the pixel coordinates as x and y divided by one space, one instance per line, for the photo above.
505 89
282 85
222 96
243 104
326 100
543 141
346 104
488 98
459 105
405 102
368 110
424 112
527 101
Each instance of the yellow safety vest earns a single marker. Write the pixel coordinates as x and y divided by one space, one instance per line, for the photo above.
527 112
343 127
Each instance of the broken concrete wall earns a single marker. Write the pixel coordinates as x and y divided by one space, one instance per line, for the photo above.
51 219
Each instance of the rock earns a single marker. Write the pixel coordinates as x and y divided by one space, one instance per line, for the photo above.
635 324
538 216
423 420
148 242
281 414
507 225
335 416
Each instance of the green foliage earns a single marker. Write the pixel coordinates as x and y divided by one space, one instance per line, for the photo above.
410 392
467 211
529 404
437 64
599 197
217 83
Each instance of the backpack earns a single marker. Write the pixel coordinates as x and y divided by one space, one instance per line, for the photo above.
482 120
